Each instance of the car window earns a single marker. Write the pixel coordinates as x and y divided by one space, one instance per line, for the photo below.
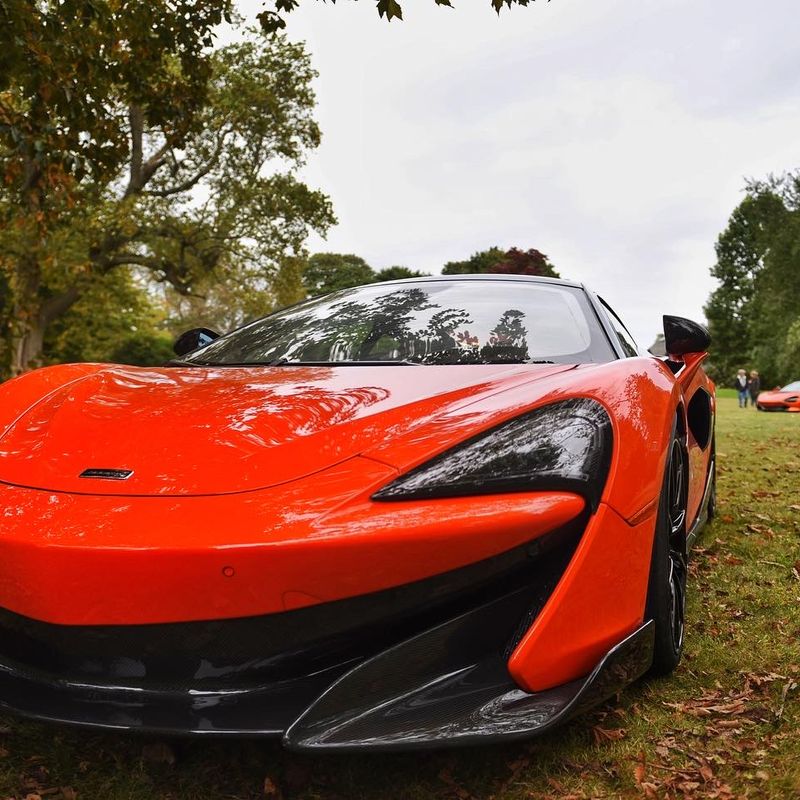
425 322
792 387
626 341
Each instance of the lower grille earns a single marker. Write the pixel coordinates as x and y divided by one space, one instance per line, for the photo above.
256 651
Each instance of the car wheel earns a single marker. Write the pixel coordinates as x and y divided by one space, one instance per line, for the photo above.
666 592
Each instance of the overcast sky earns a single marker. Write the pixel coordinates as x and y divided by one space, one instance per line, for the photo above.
613 135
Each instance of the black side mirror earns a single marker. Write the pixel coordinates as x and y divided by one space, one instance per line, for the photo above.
191 340
682 336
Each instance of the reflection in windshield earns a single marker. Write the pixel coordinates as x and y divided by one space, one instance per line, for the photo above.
430 322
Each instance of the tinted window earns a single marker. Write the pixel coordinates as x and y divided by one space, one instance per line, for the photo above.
792 387
626 342
429 322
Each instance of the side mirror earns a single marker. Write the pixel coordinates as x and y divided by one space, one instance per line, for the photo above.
682 336
193 339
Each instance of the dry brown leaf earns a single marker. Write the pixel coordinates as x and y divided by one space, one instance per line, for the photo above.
158 753
608 734
271 789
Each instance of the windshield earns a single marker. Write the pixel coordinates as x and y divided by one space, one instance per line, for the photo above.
792 387
429 322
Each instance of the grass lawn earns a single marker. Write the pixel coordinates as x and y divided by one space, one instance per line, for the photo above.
726 725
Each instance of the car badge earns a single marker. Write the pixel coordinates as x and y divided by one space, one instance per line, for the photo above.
107 474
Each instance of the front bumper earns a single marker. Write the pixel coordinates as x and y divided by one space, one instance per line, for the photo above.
423 664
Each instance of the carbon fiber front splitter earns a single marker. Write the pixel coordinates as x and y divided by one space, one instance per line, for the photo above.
377 706
435 690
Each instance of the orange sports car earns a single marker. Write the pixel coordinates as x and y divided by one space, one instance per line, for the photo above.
417 513
786 399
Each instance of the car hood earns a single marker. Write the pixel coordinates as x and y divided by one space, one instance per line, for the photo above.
776 396
201 431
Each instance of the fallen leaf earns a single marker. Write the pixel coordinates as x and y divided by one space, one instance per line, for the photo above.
271 789
608 734
158 753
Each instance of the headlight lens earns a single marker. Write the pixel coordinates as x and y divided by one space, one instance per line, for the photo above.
565 446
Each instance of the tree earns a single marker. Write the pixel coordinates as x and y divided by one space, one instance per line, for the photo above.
191 196
477 263
273 17
68 69
114 312
741 250
753 312
524 262
503 262
397 273
330 272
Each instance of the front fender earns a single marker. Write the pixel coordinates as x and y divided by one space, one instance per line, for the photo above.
22 393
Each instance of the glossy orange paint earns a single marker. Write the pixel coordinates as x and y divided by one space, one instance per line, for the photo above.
778 400
114 560
19 395
601 597
195 431
251 488
640 394
598 602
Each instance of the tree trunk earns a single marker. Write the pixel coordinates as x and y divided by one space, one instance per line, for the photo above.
31 321
26 349
24 312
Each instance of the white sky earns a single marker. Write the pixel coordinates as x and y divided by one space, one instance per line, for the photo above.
613 135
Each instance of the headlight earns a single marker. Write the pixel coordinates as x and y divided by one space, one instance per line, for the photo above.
565 446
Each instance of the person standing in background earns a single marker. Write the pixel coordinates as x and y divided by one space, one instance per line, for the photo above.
741 387
754 386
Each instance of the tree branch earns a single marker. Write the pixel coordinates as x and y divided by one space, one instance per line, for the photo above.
136 119
55 306
197 177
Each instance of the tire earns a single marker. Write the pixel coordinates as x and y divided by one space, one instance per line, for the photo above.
666 591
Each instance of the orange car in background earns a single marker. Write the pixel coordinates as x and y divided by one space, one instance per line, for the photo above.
412 514
786 399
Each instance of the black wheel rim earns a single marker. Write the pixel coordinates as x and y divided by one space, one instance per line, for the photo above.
677 541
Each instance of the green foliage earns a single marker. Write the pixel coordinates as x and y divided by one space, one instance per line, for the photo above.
68 67
272 18
397 273
288 284
201 195
329 272
752 312
112 314
477 263
144 349
503 262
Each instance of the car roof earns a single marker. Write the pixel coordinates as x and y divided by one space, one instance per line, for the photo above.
489 277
